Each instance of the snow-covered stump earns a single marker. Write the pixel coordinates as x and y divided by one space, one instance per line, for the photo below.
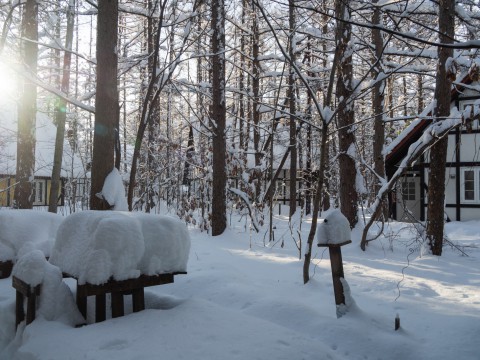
119 253
334 233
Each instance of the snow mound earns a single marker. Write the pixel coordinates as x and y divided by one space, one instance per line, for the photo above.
56 301
335 229
94 246
113 191
26 230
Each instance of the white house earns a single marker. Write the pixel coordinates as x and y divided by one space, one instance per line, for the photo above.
72 167
462 193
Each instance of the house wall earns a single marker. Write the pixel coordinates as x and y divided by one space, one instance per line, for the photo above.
463 154
6 191
462 197
42 191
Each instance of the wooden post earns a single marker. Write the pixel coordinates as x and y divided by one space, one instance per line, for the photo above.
5 269
19 311
117 304
336 264
100 307
82 302
138 299
25 290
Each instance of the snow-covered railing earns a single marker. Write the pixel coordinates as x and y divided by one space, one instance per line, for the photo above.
22 231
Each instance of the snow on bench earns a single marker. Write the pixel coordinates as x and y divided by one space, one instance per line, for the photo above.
23 231
119 253
33 277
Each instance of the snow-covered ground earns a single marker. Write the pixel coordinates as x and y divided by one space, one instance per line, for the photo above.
245 300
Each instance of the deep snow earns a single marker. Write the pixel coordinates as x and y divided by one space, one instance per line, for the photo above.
242 302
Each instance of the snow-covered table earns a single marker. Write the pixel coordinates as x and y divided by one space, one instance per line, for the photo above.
119 253
23 231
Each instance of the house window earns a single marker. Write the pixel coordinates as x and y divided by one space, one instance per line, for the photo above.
473 125
38 192
408 190
470 185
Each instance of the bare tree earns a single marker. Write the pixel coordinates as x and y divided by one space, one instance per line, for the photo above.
293 106
61 112
378 96
345 115
106 100
217 119
27 109
438 153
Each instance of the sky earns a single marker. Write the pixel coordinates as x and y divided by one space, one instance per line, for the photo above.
244 298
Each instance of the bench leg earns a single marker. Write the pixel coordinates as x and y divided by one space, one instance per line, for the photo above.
82 304
19 311
100 307
117 304
31 303
138 300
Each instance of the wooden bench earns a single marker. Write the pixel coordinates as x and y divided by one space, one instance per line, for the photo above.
5 269
25 290
118 289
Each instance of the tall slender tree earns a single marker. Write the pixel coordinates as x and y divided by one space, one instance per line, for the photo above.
293 108
217 119
438 153
106 100
61 111
27 109
345 115
378 97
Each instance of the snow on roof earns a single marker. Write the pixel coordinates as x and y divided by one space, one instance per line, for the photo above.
26 230
44 148
416 127
94 246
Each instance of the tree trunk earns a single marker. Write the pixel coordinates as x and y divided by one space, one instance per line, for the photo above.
316 203
292 103
217 118
345 116
257 174
154 119
378 109
106 100
27 110
438 157
61 112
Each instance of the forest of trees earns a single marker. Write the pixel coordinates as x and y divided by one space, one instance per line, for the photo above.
212 107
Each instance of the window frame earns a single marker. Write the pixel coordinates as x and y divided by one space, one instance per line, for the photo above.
463 103
476 185
409 191
39 192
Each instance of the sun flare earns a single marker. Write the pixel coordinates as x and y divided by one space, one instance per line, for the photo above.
8 81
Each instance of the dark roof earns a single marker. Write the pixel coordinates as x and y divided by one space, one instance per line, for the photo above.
399 151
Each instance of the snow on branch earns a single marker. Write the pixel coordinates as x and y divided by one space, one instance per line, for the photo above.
431 135
245 199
